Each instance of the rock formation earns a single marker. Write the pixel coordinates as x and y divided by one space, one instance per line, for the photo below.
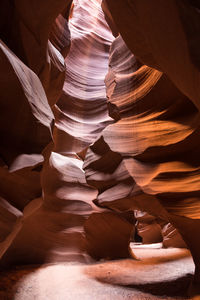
165 107
51 228
32 77
99 159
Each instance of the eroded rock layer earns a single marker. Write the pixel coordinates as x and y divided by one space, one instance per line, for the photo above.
158 130
167 46
56 223
32 76
150 152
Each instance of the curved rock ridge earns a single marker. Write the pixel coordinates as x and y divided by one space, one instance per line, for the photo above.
60 33
32 77
165 128
80 116
154 230
117 191
167 46
150 153
82 110
157 132
35 114
29 28
26 121
105 170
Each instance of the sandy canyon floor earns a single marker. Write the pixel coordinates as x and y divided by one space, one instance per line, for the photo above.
157 274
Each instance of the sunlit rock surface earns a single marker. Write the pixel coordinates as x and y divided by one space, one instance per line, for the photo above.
154 230
157 130
52 229
169 46
95 164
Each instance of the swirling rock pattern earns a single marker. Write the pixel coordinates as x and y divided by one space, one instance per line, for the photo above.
25 130
158 129
30 81
151 152
56 223
161 44
165 163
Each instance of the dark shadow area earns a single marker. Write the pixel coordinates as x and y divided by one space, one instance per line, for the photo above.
175 288
9 280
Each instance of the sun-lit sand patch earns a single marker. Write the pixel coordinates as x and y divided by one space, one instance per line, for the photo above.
157 274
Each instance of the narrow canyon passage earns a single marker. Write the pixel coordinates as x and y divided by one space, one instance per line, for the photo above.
100 149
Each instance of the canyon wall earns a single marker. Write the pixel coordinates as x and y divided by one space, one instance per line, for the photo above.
91 131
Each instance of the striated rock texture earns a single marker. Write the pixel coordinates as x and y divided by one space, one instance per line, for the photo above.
32 75
158 130
147 160
164 108
108 170
52 228
167 46
154 230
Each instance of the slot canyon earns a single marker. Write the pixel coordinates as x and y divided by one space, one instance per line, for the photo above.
99 157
